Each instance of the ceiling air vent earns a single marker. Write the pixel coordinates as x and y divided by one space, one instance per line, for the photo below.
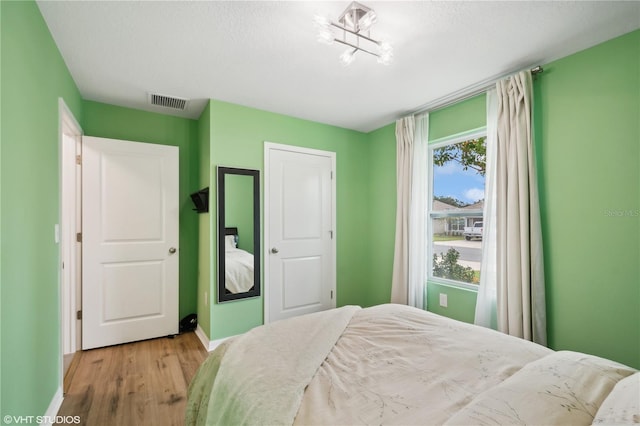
168 101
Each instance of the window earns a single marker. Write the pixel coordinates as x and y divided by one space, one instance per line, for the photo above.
455 208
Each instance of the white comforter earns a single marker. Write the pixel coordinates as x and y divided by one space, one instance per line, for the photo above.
392 364
238 270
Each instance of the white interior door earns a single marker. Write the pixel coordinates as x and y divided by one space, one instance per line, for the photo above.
130 237
300 231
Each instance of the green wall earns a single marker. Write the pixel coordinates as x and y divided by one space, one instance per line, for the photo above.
205 260
114 122
381 232
237 140
588 136
458 118
33 77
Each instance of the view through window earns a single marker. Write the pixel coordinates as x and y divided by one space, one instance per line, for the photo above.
455 208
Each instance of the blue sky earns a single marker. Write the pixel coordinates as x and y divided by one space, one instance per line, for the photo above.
451 180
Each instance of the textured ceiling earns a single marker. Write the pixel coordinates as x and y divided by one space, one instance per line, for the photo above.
265 55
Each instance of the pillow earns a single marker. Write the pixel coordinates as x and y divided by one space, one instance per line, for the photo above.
229 242
622 406
561 389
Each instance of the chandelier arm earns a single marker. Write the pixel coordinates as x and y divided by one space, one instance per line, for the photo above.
346 43
354 33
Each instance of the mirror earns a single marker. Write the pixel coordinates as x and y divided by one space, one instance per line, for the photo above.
238 233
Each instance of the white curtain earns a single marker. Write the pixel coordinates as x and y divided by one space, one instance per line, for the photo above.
512 185
409 263
487 291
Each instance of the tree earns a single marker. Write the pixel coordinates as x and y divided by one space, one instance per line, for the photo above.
470 154
447 267
450 200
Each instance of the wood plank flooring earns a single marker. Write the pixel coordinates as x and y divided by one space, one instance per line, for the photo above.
142 383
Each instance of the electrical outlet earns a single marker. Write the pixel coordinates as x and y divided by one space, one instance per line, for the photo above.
443 300
206 298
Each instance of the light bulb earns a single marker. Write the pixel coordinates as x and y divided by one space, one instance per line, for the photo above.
321 21
384 46
385 58
347 56
325 36
385 55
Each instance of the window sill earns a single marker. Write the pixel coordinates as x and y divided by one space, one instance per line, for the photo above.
454 284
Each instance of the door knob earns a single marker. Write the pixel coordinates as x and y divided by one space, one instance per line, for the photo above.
172 250
274 250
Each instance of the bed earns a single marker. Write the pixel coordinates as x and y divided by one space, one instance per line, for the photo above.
393 364
238 264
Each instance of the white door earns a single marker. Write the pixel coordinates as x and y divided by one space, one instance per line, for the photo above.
130 241
300 231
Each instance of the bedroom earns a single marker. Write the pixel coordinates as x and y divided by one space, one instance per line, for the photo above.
586 99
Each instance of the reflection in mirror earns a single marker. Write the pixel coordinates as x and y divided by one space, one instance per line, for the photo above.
238 233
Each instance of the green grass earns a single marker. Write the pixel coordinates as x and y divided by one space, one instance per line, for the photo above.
447 237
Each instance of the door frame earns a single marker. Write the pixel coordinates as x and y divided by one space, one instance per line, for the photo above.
69 213
268 146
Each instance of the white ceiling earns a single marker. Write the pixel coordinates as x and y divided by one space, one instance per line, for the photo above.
264 54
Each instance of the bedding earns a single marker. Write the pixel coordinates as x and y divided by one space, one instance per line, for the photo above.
393 364
238 269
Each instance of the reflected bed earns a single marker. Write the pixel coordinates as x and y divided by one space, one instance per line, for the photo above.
238 264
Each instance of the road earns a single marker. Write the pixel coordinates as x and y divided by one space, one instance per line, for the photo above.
470 251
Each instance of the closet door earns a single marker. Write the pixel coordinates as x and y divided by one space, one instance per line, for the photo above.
300 250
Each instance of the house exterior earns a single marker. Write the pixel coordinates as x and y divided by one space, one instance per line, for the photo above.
454 225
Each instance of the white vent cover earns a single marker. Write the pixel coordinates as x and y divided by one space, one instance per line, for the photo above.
168 101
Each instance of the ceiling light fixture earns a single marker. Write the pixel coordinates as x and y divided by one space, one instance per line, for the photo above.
355 25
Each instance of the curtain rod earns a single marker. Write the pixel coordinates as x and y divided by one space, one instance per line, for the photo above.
466 93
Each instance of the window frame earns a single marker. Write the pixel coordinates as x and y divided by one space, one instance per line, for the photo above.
430 214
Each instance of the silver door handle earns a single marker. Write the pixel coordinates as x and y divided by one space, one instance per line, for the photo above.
274 250
172 250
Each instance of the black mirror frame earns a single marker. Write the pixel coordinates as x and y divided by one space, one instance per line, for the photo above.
223 296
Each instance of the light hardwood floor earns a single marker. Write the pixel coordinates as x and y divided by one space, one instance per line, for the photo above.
142 383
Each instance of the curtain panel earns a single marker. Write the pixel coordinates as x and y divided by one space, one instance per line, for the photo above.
409 263
487 290
514 233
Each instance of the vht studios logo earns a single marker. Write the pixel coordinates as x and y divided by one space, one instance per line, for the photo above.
8 420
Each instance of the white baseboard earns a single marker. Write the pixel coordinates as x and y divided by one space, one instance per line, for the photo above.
209 345
203 337
52 411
